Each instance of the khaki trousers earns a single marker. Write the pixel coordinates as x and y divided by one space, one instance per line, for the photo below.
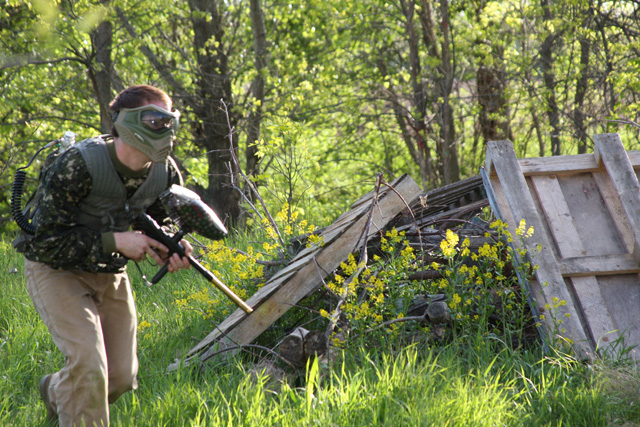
92 319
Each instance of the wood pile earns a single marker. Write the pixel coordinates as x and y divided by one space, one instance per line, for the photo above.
305 273
455 206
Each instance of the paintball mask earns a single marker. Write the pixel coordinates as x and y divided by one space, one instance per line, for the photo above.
149 128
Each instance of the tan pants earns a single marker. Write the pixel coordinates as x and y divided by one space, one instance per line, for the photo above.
92 319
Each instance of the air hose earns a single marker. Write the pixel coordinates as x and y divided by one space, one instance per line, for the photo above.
16 203
20 177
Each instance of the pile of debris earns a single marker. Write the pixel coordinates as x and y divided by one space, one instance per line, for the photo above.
458 206
423 217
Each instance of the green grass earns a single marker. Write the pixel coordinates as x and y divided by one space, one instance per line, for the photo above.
419 385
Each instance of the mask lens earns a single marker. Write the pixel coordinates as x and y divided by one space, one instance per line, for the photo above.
156 120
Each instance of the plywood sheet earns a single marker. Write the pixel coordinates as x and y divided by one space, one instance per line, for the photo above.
585 211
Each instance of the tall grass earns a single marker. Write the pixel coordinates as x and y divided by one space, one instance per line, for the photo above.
418 385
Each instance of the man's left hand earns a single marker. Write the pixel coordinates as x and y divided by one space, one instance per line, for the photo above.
176 262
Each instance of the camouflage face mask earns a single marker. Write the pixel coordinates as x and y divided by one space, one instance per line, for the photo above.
149 128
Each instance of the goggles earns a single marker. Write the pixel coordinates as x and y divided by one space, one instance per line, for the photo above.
155 118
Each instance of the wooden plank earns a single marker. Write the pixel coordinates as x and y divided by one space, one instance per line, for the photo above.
558 164
563 164
437 220
500 208
570 164
363 204
284 276
502 159
594 223
602 265
241 328
623 300
634 157
332 233
587 289
609 149
614 206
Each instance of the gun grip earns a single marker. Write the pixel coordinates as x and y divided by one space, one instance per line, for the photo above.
160 274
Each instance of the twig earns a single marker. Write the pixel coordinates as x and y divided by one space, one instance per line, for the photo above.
626 122
400 320
249 183
362 261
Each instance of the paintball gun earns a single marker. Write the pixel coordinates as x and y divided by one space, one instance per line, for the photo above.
190 214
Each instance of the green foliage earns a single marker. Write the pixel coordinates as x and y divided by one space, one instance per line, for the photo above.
286 156
353 89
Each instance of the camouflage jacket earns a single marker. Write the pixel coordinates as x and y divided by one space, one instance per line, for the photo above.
60 241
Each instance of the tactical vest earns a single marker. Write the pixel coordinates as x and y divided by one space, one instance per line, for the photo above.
107 208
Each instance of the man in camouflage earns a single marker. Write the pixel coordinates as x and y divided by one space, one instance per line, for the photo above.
75 264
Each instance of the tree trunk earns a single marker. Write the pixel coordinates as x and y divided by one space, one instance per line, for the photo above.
214 109
257 89
494 109
446 144
546 58
581 90
609 94
410 131
413 126
451 167
102 39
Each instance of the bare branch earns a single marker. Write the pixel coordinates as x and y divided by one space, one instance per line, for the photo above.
626 122
246 179
21 61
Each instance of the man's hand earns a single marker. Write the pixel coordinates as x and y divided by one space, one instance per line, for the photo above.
176 263
136 246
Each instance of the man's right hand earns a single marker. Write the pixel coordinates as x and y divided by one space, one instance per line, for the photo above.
136 246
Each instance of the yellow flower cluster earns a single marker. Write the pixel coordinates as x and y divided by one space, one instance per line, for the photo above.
370 292
473 279
315 241
520 231
242 271
448 245
143 325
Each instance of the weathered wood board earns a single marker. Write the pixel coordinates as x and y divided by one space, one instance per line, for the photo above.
585 210
305 273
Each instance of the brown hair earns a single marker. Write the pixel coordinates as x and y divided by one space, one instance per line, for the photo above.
136 96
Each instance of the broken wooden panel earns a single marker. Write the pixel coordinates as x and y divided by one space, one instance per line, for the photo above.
585 211
305 273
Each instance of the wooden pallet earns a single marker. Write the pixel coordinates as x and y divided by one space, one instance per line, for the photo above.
305 273
585 210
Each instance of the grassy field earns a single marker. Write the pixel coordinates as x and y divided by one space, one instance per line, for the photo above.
416 385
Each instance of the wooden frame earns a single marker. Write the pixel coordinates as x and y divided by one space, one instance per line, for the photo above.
585 210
